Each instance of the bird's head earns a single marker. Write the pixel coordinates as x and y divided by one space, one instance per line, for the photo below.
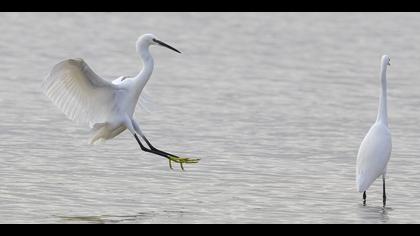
386 60
150 39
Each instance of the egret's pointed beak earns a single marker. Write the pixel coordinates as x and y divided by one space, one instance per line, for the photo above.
165 45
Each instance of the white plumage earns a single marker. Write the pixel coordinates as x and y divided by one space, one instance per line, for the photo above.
107 107
373 157
375 149
79 93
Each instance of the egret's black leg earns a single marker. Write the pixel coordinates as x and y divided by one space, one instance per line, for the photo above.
153 148
383 191
141 145
364 198
181 160
169 156
155 151
151 151
172 157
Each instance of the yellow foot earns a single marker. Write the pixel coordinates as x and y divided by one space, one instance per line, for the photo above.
181 161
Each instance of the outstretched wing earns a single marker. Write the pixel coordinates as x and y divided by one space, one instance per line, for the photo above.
79 93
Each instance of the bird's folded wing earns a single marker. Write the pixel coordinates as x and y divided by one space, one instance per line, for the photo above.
77 91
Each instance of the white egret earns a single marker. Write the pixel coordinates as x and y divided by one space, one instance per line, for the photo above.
107 107
375 149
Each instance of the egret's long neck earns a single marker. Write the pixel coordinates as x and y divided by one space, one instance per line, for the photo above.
382 111
146 72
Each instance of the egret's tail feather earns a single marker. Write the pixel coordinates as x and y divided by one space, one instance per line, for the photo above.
98 132
94 141
104 131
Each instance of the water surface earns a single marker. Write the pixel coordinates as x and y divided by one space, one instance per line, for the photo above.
274 104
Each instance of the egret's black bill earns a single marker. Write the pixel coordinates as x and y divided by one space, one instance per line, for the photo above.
166 45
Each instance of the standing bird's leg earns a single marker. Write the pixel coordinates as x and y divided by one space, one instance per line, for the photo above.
364 198
156 151
383 190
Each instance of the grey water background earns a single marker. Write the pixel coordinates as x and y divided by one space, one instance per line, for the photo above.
274 104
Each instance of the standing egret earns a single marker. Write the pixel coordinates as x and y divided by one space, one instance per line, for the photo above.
107 107
375 149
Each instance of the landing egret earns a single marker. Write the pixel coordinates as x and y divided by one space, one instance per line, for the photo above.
375 149
107 107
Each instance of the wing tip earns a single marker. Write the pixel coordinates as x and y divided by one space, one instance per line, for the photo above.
57 67
71 61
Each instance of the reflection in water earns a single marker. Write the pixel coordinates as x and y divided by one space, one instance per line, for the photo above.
106 219
79 219
374 213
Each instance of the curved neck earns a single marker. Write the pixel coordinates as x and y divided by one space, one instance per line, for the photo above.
147 60
382 111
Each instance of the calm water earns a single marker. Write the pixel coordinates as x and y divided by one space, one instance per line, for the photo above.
274 104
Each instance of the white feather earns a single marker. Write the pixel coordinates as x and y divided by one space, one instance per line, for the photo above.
79 93
375 149
145 102
373 156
